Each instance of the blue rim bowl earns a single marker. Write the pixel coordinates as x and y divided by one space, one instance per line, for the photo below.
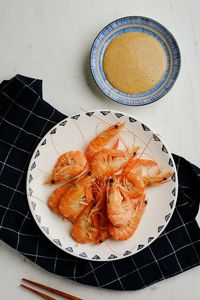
135 24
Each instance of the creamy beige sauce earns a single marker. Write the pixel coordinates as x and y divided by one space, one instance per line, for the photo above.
134 62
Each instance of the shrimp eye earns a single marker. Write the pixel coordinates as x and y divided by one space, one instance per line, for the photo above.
53 181
89 173
134 153
164 178
111 180
145 202
116 126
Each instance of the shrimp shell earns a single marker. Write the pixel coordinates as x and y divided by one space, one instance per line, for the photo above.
54 199
119 206
68 166
101 141
102 163
76 198
156 179
124 232
83 230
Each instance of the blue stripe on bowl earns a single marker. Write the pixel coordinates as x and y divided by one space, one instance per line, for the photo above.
166 40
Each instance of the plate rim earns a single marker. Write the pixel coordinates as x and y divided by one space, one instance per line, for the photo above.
29 196
132 101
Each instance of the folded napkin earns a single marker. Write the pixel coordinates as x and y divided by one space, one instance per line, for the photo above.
24 119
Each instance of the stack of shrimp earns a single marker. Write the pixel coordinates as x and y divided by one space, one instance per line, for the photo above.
102 190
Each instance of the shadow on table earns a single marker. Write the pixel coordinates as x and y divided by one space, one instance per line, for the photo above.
90 81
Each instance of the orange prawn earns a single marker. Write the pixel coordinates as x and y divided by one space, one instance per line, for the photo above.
118 162
77 197
134 162
101 141
124 232
134 185
156 179
83 230
102 164
119 206
54 199
131 175
99 214
68 166
92 224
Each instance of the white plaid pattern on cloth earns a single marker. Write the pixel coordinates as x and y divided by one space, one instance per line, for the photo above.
24 119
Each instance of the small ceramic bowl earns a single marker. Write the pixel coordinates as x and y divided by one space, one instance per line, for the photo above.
135 24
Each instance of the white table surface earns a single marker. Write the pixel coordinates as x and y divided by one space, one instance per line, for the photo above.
51 39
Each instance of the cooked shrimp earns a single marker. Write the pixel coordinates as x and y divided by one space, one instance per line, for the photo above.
102 164
132 175
118 163
83 230
134 162
68 166
77 197
54 199
119 206
158 178
124 232
99 214
101 141
134 185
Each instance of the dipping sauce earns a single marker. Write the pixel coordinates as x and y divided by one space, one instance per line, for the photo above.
134 62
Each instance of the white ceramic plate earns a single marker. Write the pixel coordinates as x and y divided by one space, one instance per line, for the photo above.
73 133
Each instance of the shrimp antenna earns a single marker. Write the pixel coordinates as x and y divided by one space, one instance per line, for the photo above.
141 140
146 146
38 199
54 147
136 136
81 133
45 172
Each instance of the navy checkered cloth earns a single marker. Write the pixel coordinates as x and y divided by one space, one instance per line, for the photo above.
24 119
